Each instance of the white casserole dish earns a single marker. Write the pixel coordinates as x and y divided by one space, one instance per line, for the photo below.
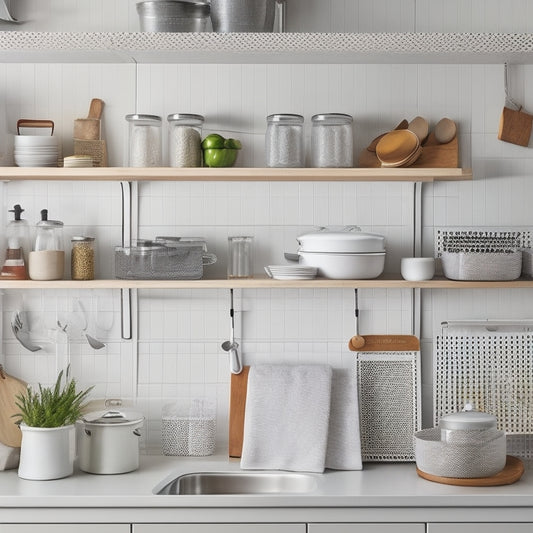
343 253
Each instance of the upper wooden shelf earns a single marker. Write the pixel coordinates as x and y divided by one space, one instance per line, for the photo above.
235 174
209 47
263 282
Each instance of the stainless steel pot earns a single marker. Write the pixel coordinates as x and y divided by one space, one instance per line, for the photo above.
243 15
108 441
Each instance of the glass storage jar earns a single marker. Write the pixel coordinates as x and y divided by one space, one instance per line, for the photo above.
144 149
47 258
185 140
82 258
284 145
332 140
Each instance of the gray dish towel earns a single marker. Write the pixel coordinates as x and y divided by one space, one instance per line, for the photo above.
344 438
287 418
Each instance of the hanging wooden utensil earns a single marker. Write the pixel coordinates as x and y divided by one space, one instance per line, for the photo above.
515 125
237 408
357 341
10 387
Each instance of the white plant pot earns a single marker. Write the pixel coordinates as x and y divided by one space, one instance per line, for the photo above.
47 453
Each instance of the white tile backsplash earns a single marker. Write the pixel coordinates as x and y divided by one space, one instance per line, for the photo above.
177 334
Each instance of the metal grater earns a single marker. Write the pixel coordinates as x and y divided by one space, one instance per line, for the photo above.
389 404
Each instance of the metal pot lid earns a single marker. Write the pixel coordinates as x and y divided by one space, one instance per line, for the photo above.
113 417
468 420
346 239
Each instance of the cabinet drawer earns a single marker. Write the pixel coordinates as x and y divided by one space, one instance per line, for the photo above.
366 528
219 528
481 527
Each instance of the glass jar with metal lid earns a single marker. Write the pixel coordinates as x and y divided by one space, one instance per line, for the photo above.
284 145
185 140
144 149
332 140
82 258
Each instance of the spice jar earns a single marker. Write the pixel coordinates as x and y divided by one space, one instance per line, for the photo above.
284 141
144 141
82 258
184 140
332 140
47 258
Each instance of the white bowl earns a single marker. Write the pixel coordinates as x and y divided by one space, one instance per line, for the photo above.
35 140
345 266
417 268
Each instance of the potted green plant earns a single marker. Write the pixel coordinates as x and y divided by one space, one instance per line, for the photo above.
47 419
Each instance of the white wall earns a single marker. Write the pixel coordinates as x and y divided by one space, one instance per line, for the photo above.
179 333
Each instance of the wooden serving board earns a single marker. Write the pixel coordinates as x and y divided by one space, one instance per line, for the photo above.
388 343
237 408
512 472
434 155
10 387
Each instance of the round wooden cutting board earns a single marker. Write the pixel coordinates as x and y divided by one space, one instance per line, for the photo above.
10 387
513 470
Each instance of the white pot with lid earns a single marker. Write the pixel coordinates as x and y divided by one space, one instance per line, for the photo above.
343 252
108 441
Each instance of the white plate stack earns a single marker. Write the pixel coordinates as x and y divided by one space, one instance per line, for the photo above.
36 151
78 161
288 272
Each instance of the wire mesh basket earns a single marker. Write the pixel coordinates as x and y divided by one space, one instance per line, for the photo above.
482 266
389 404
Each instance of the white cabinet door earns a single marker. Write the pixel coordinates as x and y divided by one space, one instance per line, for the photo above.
219 528
481 527
64 528
366 528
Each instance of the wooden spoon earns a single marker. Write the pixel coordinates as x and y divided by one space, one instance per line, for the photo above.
445 130
420 127
372 146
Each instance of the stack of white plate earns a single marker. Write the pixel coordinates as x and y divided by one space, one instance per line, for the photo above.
78 161
35 151
288 272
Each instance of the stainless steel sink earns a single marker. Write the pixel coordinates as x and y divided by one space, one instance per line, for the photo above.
240 483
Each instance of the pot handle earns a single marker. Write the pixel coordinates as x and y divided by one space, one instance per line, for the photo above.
292 257
137 432
30 123
209 259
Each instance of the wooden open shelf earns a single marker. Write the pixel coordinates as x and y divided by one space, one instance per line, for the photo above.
263 282
235 174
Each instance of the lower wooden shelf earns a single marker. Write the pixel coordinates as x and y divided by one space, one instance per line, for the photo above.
263 282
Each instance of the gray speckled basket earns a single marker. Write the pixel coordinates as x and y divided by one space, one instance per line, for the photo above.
482 266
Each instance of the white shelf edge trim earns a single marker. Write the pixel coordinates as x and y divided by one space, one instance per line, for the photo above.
131 44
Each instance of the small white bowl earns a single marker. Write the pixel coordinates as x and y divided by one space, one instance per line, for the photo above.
417 268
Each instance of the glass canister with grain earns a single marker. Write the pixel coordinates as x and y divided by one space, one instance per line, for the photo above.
82 258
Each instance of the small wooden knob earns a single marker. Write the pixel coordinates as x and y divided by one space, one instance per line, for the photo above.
356 342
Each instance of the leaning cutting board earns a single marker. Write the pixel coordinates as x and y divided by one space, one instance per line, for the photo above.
10 387
237 407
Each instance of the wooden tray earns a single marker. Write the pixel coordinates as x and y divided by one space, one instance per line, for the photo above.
513 470
434 155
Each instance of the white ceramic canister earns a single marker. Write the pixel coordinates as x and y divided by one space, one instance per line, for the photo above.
108 441
46 453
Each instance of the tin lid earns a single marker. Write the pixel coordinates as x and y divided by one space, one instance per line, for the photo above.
81 238
188 118
286 118
332 118
113 417
144 120
468 420
344 239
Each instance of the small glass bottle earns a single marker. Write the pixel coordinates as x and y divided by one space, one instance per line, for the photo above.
284 141
240 257
332 140
144 149
82 258
185 140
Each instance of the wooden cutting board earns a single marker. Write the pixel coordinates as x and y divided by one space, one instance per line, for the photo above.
237 407
513 470
388 343
10 387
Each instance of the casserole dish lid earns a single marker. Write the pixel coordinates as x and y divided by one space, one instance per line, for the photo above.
468 420
113 417
343 239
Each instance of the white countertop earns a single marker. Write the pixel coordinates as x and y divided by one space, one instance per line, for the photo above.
377 485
